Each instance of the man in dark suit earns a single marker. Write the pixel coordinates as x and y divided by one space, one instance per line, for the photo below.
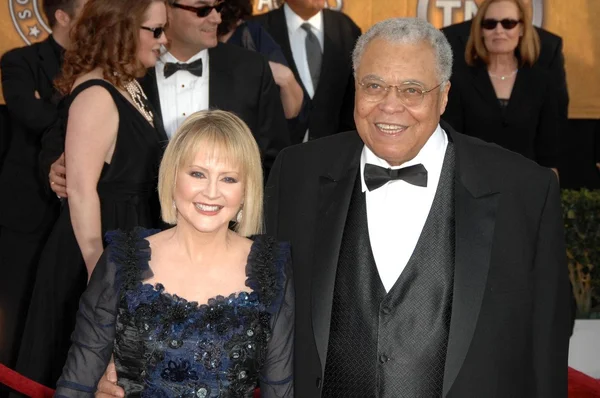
551 58
195 73
28 215
426 262
311 35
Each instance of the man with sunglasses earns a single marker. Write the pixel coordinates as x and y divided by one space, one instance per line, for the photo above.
196 72
317 43
32 102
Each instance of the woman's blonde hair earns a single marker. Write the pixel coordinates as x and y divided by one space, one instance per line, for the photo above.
528 49
227 134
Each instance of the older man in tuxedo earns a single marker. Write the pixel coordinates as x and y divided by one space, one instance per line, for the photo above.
197 72
427 263
29 212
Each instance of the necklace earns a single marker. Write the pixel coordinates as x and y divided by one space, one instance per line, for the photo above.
503 77
140 100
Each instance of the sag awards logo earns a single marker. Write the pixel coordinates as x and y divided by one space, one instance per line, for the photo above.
28 20
446 12
268 5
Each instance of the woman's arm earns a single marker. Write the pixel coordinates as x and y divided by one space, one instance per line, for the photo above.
277 376
90 139
289 89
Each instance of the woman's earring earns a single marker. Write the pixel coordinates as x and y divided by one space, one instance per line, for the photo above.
238 217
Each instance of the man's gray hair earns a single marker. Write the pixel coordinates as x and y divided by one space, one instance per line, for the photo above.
408 31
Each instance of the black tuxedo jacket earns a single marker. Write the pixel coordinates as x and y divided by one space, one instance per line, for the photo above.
332 106
551 58
509 329
24 71
529 125
241 82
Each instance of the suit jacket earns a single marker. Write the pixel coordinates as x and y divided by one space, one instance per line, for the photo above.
332 106
25 71
529 125
551 58
509 328
241 82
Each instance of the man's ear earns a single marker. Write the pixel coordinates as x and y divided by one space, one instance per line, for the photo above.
62 18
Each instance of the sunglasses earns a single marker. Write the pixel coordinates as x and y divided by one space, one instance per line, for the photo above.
201 12
506 23
156 32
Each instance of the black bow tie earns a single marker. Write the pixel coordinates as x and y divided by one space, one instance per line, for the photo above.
376 176
194 68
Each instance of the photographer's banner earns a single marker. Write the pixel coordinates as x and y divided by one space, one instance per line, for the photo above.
22 23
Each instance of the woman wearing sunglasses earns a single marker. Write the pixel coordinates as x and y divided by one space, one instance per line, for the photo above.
503 97
113 147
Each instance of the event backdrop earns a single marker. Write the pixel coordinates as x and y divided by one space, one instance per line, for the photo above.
21 23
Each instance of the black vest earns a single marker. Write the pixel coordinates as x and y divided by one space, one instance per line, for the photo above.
393 345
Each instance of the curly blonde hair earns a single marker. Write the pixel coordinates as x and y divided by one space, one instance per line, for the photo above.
106 36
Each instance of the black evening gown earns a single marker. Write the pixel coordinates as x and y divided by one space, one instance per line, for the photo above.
166 346
128 198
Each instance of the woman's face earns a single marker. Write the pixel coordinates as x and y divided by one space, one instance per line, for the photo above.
149 45
209 191
501 40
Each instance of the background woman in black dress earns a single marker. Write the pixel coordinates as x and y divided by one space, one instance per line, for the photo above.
112 149
503 97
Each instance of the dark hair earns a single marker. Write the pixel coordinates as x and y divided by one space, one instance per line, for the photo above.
106 36
51 6
232 12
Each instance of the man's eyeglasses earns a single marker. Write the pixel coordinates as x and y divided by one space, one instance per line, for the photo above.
156 32
506 23
411 94
203 11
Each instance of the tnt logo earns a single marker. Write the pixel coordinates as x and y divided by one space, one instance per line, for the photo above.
447 12
262 6
28 20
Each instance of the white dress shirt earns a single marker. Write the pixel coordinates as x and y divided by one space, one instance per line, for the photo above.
397 211
182 93
297 37
298 43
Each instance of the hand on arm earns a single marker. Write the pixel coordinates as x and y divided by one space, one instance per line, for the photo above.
289 89
107 387
91 135
58 177
21 96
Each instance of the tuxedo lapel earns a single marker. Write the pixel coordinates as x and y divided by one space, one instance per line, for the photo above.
331 52
220 81
335 190
150 87
278 29
475 217
49 61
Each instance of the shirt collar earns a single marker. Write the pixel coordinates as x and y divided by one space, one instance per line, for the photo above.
294 21
431 155
168 57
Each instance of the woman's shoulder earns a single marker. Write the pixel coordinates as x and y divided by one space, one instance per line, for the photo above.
130 252
268 269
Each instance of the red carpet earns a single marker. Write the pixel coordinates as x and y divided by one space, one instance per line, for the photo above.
580 385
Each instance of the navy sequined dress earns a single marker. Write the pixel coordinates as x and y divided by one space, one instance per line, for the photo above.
165 346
